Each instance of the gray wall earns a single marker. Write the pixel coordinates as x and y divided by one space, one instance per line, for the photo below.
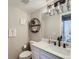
50 26
37 14
15 44
36 36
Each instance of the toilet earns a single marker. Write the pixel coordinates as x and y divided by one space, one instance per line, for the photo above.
25 55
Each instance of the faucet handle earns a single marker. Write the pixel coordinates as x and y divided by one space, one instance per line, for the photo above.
66 45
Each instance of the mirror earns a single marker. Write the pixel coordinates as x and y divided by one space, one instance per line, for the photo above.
57 25
51 26
34 25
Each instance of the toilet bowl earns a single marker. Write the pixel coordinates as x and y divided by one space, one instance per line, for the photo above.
25 55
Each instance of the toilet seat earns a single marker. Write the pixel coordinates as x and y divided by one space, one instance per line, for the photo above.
25 54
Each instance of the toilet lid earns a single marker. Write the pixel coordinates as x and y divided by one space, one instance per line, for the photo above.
25 54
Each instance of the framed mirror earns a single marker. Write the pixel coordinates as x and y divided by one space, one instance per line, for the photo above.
34 25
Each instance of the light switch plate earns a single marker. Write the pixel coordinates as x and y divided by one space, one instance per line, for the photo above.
22 21
12 33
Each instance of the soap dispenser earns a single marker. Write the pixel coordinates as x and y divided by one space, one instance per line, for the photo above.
50 38
59 40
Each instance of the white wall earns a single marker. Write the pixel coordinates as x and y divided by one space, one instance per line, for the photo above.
15 44
52 25
37 14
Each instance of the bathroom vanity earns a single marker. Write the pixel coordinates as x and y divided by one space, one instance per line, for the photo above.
43 50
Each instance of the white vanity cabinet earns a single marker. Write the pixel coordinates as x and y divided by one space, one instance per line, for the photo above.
43 50
38 53
35 52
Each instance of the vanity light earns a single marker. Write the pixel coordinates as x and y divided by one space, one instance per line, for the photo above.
61 8
58 7
53 10
49 10
68 5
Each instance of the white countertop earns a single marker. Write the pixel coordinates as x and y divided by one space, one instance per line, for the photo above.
58 51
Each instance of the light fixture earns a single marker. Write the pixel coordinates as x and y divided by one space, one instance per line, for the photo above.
68 5
61 8
53 10
49 7
58 7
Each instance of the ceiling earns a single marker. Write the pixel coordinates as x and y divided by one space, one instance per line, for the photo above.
31 6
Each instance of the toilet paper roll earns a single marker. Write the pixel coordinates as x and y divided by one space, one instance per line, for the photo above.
24 46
